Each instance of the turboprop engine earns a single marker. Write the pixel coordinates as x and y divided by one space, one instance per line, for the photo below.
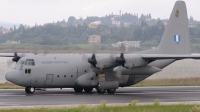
102 62
87 80
131 61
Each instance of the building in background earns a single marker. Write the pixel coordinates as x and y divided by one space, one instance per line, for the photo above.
94 24
127 44
96 39
5 31
12 42
116 23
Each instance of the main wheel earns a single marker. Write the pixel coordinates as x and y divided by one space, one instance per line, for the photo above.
78 89
29 90
88 89
111 91
101 91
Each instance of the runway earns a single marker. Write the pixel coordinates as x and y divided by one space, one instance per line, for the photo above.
122 95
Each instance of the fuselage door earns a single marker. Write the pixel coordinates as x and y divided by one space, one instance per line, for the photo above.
49 79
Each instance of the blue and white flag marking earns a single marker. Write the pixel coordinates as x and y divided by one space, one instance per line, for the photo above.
177 38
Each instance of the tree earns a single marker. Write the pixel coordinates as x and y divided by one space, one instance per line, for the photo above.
11 29
14 27
71 20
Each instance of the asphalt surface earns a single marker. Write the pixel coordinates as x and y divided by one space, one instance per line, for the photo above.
122 95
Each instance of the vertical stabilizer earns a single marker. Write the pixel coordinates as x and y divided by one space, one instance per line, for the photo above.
175 39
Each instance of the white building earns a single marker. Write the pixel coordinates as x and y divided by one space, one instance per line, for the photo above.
12 42
127 44
116 23
94 24
96 39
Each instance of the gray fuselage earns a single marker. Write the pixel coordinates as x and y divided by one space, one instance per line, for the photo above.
62 70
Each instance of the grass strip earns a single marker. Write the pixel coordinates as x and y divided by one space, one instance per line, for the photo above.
8 85
102 107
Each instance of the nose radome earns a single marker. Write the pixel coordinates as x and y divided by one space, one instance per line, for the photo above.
12 76
8 76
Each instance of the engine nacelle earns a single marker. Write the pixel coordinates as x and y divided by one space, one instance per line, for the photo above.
145 70
105 62
102 61
134 61
87 80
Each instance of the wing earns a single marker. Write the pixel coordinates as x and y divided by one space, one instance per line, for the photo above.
7 55
169 56
15 56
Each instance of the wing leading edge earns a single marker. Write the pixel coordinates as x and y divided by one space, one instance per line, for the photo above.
168 56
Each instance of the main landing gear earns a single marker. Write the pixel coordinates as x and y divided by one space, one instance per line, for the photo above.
89 90
86 89
29 90
102 91
78 89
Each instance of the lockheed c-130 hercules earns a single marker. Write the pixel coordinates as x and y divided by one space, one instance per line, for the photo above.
105 72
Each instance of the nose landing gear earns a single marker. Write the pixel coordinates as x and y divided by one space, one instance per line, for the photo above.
29 90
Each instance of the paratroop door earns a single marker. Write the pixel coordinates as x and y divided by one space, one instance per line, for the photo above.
49 79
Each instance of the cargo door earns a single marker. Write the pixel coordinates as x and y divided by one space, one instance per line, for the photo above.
49 79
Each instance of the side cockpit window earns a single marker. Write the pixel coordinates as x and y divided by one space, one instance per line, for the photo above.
29 62
21 62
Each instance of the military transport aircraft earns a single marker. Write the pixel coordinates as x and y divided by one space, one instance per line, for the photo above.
105 72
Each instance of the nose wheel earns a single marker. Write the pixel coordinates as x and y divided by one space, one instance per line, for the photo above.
29 90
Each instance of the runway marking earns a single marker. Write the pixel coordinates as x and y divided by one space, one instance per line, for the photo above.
11 95
145 92
56 94
7 93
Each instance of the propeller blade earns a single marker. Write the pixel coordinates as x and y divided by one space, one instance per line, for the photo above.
121 59
16 57
92 60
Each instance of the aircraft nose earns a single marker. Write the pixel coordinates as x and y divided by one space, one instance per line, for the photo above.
12 76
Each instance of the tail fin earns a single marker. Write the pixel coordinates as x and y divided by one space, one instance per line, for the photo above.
175 39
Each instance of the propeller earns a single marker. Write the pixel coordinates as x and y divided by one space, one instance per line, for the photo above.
16 57
93 60
121 59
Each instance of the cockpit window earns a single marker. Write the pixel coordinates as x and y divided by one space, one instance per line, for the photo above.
21 62
30 62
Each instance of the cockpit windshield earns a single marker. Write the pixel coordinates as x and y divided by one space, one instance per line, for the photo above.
28 62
